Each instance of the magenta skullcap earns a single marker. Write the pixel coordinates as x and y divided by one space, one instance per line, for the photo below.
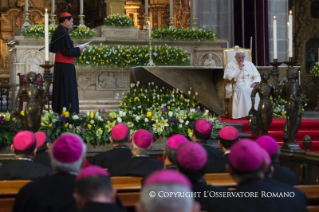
268 143
266 156
229 133
191 156
119 131
203 126
67 148
167 176
246 156
92 171
41 137
23 140
142 138
176 140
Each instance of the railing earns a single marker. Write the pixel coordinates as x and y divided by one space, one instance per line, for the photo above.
4 97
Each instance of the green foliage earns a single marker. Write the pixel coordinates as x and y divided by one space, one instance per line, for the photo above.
118 20
184 34
6 134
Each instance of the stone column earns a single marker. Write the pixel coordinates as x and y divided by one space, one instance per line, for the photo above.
215 15
279 8
115 6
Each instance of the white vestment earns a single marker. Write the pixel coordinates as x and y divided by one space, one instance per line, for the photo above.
245 78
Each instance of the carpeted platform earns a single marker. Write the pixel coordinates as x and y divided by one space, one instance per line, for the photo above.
308 127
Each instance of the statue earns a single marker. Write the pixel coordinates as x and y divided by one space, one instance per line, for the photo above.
262 118
33 62
291 93
210 61
31 120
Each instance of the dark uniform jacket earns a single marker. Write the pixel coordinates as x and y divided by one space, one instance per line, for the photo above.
212 153
43 158
266 200
108 158
99 207
218 166
53 193
284 175
23 170
136 166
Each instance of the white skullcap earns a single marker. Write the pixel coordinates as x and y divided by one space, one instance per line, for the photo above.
240 51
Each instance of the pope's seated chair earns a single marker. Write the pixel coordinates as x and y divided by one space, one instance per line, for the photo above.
228 56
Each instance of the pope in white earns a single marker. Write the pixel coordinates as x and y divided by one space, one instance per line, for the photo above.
247 76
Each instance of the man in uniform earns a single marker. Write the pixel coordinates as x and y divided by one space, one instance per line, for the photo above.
54 193
121 138
22 167
227 137
191 161
65 90
246 76
140 164
202 131
281 174
169 153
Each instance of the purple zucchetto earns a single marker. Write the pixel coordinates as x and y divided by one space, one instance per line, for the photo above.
41 137
245 156
203 126
266 156
92 171
142 138
167 176
23 140
268 143
67 148
176 140
119 131
229 133
191 156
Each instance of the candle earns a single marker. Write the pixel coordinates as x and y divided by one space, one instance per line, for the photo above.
290 34
149 30
299 79
6 48
194 8
275 37
81 7
146 7
227 45
26 6
46 34
251 43
52 6
171 8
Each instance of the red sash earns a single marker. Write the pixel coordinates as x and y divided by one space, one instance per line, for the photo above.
61 59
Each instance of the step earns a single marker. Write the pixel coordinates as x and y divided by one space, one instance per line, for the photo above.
99 106
99 102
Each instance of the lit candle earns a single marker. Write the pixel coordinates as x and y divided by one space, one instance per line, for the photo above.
251 43
26 6
52 6
149 30
299 79
46 34
194 7
146 7
290 34
275 37
171 8
81 7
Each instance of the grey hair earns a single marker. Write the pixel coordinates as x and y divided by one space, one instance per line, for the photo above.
68 167
141 151
166 204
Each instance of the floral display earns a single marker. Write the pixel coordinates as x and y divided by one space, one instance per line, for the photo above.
6 134
118 20
37 31
315 71
184 34
131 56
279 107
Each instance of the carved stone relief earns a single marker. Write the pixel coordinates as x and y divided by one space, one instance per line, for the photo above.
123 79
32 60
210 59
85 80
106 80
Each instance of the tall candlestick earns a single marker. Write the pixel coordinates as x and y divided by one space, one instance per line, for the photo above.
299 79
81 7
227 45
171 8
290 34
6 48
26 6
46 34
275 37
52 6
194 8
149 30
146 7
251 43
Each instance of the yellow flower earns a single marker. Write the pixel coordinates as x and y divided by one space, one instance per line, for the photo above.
66 124
7 118
91 115
22 112
42 124
89 126
2 114
50 125
67 114
283 113
148 114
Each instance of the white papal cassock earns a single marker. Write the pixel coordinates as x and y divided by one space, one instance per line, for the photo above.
245 78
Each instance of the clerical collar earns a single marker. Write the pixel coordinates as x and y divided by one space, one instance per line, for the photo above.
28 159
140 156
227 152
73 173
121 147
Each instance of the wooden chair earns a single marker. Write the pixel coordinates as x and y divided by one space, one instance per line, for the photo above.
228 56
